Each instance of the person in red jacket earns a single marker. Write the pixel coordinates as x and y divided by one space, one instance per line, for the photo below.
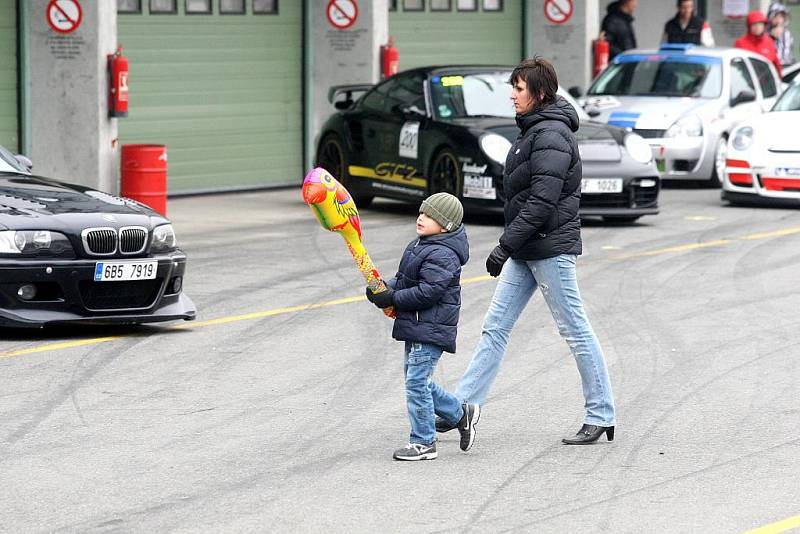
757 40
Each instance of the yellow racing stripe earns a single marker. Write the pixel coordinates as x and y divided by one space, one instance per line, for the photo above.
393 176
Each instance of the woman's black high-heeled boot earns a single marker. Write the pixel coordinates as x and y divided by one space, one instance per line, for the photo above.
589 434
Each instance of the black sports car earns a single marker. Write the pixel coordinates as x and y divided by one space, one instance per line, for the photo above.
449 129
70 254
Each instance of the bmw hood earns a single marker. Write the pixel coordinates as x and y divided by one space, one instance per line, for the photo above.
30 202
644 113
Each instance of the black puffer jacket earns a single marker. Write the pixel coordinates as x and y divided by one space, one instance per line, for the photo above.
427 286
619 30
542 184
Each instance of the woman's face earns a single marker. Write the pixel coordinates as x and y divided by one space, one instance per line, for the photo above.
521 97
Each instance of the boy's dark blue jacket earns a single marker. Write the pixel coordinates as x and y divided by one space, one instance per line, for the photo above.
427 287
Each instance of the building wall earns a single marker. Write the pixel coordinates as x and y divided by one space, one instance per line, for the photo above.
70 134
9 133
223 92
458 37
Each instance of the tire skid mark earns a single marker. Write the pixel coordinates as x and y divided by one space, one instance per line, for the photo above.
68 390
685 476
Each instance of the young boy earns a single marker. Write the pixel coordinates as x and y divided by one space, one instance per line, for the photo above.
426 295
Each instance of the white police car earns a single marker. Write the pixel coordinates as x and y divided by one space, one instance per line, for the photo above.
684 100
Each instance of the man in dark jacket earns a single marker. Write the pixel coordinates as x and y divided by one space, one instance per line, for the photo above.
618 26
426 295
539 247
687 28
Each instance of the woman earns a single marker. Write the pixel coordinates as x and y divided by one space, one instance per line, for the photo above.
538 248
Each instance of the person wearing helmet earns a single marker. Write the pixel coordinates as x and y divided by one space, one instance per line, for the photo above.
757 40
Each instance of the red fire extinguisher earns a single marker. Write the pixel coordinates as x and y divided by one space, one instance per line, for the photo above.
600 51
390 58
118 84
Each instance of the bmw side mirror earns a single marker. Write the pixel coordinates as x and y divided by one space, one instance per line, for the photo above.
743 97
575 91
24 161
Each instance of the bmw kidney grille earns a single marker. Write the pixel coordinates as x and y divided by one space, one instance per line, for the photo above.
107 241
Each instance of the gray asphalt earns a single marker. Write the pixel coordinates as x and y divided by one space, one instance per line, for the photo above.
285 421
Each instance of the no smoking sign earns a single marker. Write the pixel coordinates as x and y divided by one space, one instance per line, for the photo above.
558 11
64 16
342 13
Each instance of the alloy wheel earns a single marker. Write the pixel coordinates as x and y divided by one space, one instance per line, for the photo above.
445 176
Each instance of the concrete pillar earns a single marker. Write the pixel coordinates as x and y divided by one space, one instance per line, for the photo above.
70 135
568 44
337 55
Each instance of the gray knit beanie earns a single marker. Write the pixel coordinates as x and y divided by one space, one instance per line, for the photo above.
445 209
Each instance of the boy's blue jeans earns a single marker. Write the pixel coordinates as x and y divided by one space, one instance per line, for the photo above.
557 279
424 398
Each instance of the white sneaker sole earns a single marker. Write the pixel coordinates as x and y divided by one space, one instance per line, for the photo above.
424 456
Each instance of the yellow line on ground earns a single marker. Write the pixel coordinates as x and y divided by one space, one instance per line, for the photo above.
347 300
269 313
60 346
776 233
774 528
679 248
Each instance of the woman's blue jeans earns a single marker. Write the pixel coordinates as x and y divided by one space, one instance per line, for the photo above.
558 282
424 398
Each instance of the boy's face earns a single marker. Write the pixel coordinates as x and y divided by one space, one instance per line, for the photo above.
427 226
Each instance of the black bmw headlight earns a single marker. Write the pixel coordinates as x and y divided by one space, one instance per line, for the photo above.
163 239
35 243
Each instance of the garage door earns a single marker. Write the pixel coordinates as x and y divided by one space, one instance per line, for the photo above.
439 32
9 136
223 90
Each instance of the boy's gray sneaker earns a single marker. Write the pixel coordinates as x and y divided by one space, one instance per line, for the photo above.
416 451
466 427
443 426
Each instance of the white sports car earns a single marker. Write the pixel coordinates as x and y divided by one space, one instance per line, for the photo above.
763 159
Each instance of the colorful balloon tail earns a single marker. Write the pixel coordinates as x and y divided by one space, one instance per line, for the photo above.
336 211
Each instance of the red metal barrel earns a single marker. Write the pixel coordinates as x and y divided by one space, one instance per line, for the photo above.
144 175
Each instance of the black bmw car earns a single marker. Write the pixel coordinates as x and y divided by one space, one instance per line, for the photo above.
70 254
449 129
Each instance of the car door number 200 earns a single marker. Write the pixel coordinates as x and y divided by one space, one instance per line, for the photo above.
409 140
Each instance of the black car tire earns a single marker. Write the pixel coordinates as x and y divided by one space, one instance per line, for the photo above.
331 157
445 173
621 218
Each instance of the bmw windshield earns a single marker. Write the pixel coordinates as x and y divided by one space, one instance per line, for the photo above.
661 75
486 94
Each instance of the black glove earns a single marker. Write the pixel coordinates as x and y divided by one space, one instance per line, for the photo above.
495 261
384 299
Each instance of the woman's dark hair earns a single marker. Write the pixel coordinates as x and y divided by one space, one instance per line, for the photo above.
540 77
